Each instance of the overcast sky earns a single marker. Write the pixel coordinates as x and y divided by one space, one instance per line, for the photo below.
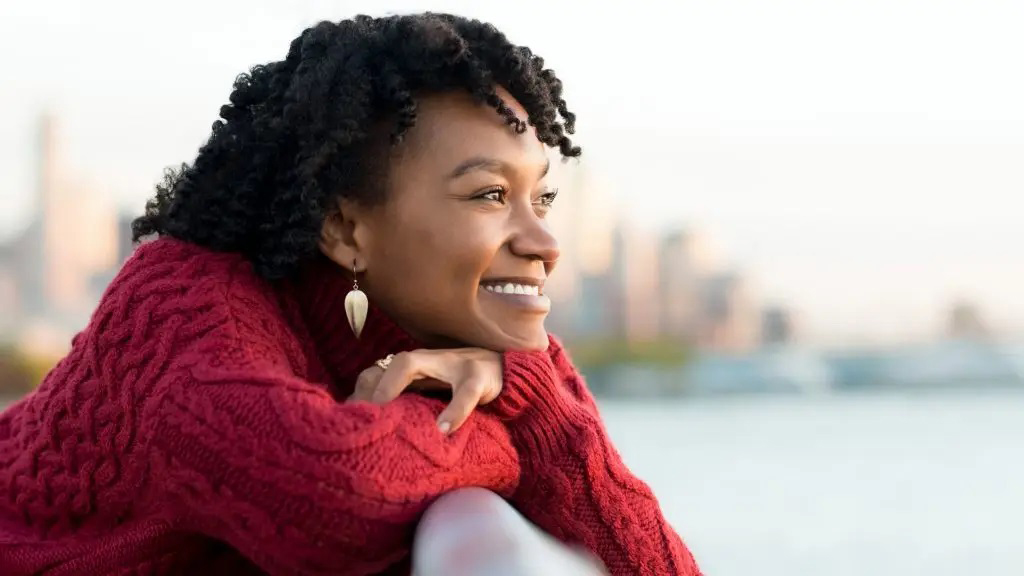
863 160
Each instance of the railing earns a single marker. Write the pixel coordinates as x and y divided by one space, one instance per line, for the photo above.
474 532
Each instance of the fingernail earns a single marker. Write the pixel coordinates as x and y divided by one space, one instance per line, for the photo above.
445 427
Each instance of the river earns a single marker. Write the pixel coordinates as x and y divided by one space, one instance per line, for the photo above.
885 484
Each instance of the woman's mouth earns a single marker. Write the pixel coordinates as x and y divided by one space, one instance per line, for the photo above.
511 288
524 293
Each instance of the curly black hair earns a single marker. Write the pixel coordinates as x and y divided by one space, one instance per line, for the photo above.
301 132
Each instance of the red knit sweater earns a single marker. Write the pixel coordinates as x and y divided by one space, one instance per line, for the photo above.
195 428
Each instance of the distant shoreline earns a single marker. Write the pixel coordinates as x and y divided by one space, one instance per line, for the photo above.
851 392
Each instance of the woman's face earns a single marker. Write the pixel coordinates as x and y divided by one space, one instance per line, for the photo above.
459 253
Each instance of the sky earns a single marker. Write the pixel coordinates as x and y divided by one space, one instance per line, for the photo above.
862 161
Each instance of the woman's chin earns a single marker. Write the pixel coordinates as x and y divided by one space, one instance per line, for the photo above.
533 340
498 337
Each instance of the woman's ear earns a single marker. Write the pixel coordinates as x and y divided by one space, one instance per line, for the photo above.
340 236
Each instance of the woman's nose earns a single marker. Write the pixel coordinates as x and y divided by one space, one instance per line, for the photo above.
534 240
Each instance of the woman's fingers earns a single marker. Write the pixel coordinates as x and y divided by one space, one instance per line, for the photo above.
465 399
430 384
405 368
473 375
366 384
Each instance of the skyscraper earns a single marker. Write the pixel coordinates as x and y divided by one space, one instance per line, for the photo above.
731 319
78 230
966 322
635 267
69 244
685 261
778 326
583 219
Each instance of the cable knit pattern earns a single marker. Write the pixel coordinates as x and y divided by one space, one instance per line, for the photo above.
194 412
196 428
574 483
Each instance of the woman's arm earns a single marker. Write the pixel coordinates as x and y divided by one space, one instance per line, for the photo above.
574 483
301 484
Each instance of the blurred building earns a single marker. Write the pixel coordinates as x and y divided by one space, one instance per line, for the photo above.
731 317
125 246
582 288
619 282
966 322
53 272
8 294
778 326
685 261
635 267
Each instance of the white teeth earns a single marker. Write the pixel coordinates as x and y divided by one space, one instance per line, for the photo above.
510 288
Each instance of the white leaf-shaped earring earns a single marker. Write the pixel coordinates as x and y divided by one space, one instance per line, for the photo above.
356 305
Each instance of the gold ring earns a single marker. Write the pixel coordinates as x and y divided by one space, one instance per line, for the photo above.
384 362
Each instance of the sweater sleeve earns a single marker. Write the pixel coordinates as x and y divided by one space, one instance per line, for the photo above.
574 483
301 484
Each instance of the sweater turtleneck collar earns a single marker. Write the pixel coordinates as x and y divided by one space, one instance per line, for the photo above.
318 292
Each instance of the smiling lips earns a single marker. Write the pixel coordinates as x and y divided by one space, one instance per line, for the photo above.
524 293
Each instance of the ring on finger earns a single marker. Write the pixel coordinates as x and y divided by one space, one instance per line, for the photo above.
384 362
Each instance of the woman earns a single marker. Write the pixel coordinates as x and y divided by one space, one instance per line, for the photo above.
235 405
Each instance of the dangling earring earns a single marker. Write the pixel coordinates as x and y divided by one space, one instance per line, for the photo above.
356 305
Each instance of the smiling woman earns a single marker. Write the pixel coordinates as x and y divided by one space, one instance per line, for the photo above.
366 219
457 222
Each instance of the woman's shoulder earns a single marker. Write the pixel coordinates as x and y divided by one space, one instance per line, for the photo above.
171 269
173 262
174 289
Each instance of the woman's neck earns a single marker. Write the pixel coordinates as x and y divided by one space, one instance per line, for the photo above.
318 292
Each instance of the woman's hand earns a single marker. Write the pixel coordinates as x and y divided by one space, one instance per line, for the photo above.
474 376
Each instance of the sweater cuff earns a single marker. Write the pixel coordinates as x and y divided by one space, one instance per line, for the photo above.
526 378
542 413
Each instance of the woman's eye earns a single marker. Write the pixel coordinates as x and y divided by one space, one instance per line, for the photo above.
548 198
494 195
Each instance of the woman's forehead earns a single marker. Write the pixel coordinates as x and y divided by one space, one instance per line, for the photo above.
452 128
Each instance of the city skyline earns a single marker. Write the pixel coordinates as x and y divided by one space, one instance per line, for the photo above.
860 162
616 283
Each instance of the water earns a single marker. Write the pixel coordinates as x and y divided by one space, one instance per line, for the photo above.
881 484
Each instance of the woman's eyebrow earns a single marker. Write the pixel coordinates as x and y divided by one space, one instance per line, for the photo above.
493 165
